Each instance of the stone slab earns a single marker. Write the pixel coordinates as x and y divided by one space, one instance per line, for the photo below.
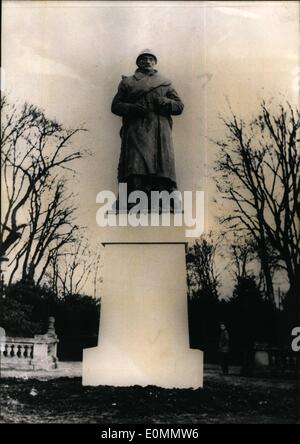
166 231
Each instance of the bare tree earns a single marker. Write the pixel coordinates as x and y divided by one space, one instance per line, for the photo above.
243 253
97 278
51 225
73 266
201 268
34 148
258 168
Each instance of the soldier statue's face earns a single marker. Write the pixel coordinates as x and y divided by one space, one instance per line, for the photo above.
146 62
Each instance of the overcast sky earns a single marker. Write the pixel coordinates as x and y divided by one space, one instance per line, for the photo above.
68 57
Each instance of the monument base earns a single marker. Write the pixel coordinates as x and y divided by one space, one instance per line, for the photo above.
143 336
111 366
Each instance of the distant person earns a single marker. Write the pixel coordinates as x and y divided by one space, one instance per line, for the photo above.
224 348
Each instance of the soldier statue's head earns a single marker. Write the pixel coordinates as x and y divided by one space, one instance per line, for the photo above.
146 60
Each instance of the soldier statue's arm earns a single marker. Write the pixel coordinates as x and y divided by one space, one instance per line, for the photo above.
171 104
122 108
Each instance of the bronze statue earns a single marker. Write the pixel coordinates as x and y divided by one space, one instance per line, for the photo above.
146 101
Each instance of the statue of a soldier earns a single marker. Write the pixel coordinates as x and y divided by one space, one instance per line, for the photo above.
146 101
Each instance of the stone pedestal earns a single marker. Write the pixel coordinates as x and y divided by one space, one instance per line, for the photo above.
143 337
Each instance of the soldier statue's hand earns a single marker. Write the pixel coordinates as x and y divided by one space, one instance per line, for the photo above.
137 110
161 101
161 106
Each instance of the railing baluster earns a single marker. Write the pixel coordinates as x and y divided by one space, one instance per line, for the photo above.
12 350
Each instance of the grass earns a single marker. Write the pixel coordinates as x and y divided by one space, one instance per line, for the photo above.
222 400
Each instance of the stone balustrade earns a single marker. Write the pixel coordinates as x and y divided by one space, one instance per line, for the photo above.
37 353
284 359
277 360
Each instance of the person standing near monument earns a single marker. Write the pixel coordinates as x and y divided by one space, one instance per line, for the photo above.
224 348
146 101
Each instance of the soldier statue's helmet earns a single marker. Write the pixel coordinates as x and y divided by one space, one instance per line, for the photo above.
146 52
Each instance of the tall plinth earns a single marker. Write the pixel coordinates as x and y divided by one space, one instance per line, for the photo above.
143 335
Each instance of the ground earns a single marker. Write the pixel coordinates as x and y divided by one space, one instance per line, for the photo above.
224 399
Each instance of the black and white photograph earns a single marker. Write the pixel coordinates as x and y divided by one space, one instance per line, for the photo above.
150 180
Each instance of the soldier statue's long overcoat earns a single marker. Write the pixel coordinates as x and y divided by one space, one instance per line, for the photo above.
147 147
